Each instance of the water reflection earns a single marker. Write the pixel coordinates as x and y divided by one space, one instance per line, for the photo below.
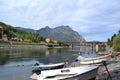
9 55
47 52
44 56
19 60
3 59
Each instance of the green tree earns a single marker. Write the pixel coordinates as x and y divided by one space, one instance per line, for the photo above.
116 43
119 32
110 41
0 35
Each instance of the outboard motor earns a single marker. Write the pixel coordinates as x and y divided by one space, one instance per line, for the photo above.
36 71
36 64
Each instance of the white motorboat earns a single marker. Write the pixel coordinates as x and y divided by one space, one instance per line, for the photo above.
72 73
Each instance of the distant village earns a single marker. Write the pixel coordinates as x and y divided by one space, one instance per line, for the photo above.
3 37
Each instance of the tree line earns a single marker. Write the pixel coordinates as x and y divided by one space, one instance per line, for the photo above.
114 41
11 32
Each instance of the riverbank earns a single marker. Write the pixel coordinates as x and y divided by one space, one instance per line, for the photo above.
114 70
28 46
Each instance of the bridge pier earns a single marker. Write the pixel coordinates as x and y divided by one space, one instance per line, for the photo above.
96 48
80 49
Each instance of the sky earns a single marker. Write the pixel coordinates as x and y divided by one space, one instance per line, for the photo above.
95 20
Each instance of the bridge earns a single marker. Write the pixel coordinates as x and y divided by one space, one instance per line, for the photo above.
86 43
94 44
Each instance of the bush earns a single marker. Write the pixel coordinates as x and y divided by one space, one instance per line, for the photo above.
116 43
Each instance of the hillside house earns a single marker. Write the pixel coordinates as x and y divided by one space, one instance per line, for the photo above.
1 32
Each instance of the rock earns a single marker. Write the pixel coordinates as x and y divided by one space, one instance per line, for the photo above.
114 70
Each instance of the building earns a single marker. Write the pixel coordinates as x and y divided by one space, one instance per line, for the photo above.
3 37
1 32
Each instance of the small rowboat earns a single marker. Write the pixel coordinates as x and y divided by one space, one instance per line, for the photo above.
38 68
94 60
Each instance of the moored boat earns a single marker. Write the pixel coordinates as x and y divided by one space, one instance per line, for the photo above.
38 68
95 60
72 73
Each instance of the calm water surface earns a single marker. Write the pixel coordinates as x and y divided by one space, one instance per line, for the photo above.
15 64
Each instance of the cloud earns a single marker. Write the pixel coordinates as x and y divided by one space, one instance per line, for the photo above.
94 19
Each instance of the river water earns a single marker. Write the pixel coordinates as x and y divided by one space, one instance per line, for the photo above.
15 63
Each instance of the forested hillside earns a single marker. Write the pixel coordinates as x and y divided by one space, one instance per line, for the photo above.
13 33
115 41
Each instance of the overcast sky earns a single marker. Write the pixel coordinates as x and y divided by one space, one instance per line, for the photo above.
93 19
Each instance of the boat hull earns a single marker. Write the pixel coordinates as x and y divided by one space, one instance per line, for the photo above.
95 60
74 73
90 75
38 69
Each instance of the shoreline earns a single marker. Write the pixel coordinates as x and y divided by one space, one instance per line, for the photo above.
113 68
30 46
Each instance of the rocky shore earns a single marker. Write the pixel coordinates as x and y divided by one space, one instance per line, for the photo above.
113 68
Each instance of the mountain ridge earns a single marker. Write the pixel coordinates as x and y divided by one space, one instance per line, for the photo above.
62 33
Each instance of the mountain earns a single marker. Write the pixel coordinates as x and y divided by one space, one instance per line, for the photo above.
25 29
63 33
